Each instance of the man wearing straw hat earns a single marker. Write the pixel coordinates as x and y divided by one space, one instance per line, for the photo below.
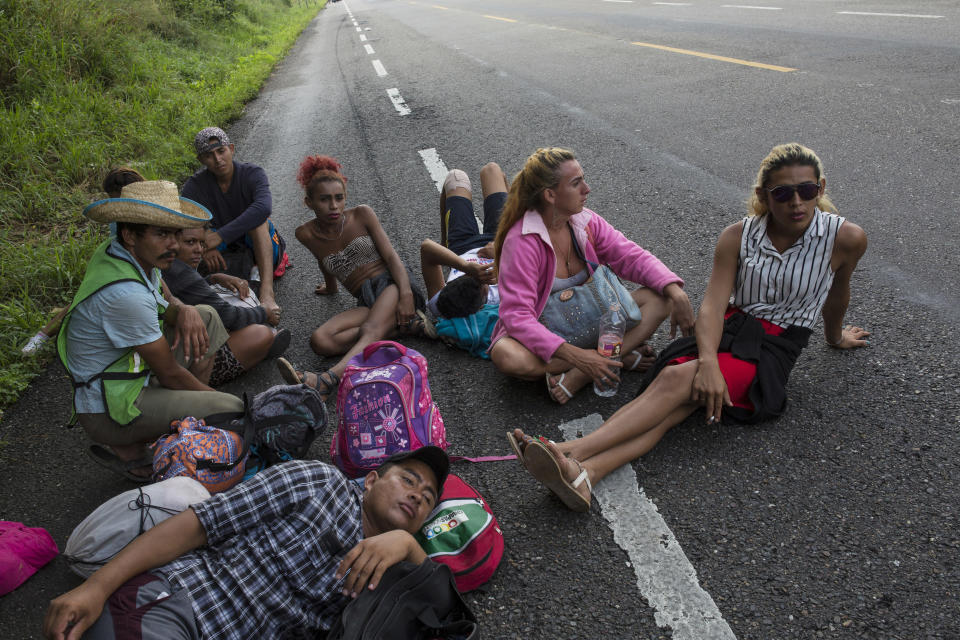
132 375
238 197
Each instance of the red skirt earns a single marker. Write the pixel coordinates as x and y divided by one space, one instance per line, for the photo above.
738 374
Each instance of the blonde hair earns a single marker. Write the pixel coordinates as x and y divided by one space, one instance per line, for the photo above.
541 171
786 155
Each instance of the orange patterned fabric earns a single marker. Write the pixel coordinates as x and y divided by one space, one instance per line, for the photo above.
196 444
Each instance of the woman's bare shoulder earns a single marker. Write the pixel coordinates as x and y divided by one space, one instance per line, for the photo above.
850 244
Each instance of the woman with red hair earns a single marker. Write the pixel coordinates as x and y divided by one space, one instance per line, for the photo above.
351 247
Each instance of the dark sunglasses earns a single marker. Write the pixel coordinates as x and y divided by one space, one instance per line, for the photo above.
784 192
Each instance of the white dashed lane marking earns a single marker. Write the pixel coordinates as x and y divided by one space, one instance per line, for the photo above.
748 6
438 172
665 577
368 49
398 102
435 166
378 66
887 15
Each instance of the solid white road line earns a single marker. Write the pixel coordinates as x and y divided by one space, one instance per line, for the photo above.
887 15
747 6
623 1
674 4
438 172
368 49
378 66
665 576
435 167
398 102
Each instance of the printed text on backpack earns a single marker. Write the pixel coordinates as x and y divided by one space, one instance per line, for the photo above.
463 534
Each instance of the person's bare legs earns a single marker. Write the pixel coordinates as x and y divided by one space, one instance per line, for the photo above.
654 309
335 336
380 323
632 431
250 344
376 323
510 357
263 256
492 179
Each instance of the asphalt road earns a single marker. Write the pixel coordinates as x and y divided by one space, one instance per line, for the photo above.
838 520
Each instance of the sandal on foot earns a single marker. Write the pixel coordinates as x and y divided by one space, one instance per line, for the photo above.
428 327
330 382
280 343
559 383
419 326
639 355
314 380
546 469
109 460
512 441
515 445
288 373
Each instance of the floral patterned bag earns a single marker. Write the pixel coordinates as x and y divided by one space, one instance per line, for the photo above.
214 457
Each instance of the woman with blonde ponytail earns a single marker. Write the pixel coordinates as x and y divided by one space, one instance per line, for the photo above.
536 256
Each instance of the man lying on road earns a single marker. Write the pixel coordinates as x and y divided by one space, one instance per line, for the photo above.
276 556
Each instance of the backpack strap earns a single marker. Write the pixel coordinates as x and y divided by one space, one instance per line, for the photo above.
249 429
576 247
482 458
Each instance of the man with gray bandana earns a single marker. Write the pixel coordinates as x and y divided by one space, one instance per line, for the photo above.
238 196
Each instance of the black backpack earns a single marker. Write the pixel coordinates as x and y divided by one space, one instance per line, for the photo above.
279 424
412 602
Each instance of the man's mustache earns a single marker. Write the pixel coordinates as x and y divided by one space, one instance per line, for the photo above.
168 254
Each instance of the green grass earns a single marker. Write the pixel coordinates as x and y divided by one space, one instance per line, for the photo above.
90 84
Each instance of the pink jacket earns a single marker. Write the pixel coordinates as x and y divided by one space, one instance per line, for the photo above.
528 266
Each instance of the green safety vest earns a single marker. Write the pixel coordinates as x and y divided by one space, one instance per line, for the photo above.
122 381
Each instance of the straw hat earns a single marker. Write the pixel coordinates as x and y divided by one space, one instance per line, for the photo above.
154 202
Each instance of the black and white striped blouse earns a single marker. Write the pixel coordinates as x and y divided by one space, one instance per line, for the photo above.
786 288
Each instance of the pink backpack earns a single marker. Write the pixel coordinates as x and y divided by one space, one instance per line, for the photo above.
384 407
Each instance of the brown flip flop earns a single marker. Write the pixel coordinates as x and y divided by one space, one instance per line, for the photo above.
544 467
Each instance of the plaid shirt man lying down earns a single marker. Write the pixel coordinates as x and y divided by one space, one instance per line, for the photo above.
281 552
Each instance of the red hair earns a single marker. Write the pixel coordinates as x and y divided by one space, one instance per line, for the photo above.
320 169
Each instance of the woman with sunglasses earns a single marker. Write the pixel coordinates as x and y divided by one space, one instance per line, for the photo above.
787 262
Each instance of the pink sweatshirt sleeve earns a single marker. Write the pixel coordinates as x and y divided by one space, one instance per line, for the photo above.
522 269
627 259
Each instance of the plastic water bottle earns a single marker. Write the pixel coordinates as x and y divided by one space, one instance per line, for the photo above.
613 324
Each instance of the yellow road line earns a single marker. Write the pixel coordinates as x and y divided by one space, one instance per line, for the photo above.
499 18
710 56
437 6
